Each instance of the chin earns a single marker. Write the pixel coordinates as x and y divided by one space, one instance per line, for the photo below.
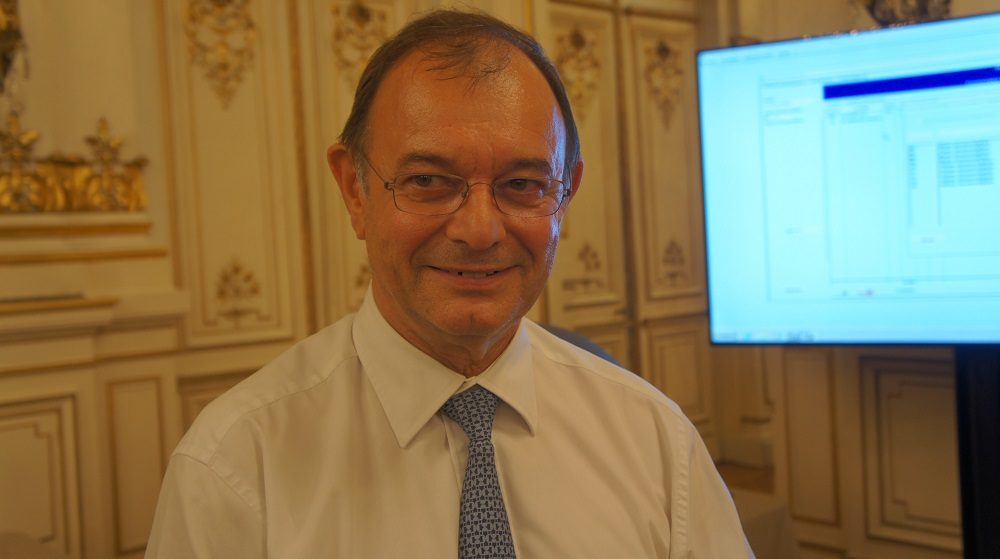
472 323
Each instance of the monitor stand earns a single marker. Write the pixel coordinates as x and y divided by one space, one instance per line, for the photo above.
977 389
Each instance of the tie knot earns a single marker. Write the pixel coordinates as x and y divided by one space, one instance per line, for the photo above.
473 410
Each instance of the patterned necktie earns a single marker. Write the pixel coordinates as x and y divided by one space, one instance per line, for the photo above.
483 528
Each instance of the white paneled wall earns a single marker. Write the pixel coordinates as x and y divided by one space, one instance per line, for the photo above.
118 325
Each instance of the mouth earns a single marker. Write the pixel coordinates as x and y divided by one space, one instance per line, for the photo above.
468 273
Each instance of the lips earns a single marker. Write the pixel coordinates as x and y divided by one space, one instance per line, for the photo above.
468 273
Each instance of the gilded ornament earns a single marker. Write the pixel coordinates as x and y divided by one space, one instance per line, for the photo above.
673 262
60 183
896 12
11 39
235 289
357 31
221 36
664 78
578 63
592 265
22 188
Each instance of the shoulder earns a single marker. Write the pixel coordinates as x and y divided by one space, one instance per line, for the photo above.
304 367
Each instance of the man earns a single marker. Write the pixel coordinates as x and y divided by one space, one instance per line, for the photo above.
372 438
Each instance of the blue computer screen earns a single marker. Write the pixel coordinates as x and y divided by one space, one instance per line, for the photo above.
852 186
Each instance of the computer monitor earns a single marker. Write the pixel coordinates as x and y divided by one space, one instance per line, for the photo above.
852 186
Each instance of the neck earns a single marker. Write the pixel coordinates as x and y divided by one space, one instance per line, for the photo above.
465 353
467 356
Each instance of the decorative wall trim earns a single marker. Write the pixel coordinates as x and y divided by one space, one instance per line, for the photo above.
666 205
236 289
664 77
674 263
54 304
12 43
84 256
579 66
301 167
81 230
112 392
895 12
908 410
72 183
676 352
221 36
64 475
809 393
358 29
592 265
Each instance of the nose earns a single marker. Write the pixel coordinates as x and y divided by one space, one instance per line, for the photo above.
478 223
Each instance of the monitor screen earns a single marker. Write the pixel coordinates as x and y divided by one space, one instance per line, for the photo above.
852 186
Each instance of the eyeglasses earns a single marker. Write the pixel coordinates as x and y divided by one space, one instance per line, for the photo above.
433 194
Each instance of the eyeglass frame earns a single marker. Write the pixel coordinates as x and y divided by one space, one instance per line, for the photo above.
564 190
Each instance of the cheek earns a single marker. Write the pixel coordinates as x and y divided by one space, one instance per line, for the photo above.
543 241
397 236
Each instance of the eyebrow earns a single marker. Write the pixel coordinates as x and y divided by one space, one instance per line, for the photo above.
518 164
426 157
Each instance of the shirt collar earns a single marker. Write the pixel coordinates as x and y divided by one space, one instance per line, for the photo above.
412 386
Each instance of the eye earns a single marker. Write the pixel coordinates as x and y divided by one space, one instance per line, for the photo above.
422 181
428 188
524 187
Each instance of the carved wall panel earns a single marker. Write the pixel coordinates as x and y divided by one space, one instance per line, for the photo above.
745 405
221 39
357 30
664 166
811 436
766 20
39 479
136 425
587 285
675 358
673 8
61 183
345 33
236 168
816 552
911 461
75 182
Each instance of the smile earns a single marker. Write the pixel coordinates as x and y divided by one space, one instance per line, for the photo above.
468 274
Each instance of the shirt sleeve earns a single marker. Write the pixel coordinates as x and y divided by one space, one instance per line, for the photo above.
714 529
200 515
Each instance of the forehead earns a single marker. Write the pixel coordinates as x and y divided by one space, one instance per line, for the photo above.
461 109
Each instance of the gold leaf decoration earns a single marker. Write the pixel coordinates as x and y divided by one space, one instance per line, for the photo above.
674 262
896 12
357 31
221 36
591 280
67 183
664 78
11 40
235 289
578 63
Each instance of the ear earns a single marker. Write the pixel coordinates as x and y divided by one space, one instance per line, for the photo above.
342 165
575 177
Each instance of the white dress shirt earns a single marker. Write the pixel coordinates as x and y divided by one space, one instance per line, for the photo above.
337 449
